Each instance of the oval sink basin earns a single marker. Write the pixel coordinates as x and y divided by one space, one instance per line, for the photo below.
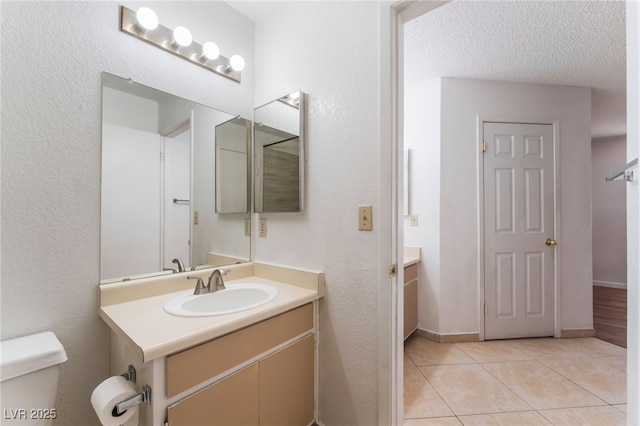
234 298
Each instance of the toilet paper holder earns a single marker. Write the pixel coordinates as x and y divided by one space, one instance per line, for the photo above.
143 397
130 375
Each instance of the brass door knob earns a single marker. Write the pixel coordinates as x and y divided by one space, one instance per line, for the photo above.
551 242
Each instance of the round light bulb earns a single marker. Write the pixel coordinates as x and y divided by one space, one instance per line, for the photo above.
147 18
236 62
182 36
210 50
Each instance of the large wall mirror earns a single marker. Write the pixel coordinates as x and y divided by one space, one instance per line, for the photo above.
279 155
232 166
160 183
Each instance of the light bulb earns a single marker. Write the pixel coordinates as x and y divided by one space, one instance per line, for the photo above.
182 36
147 19
210 50
237 63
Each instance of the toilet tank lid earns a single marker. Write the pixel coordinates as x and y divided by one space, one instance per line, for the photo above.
31 353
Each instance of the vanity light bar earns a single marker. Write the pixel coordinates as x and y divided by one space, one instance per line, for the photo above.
193 52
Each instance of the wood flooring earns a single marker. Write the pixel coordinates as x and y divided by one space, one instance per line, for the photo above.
610 314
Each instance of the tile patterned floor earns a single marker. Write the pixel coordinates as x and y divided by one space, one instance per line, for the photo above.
514 382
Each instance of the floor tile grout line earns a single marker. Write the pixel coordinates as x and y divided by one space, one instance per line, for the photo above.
498 380
578 384
436 391
564 377
508 387
538 360
460 346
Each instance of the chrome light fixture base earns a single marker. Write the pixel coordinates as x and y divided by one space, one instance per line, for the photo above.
162 37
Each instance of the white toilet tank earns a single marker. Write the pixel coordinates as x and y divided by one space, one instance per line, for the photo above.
29 379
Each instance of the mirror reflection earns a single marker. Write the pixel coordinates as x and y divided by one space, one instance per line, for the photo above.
158 211
232 166
279 155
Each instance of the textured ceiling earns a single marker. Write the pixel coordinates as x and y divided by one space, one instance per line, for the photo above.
576 43
256 9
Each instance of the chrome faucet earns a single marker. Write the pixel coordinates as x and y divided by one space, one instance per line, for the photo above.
180 264
215 280
200 288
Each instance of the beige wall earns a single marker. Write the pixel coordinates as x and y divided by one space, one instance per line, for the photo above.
609 212
456 281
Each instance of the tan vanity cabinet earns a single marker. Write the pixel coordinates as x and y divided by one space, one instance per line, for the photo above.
410 299
232 401
272 383
287 386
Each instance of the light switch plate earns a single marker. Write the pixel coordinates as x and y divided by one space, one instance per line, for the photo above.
365 218
196 217
414 220
263 228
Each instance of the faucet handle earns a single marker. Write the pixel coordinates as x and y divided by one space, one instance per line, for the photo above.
200 288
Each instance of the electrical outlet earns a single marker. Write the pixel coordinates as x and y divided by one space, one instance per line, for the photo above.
196 217
365 218
247 227
263 228
414 220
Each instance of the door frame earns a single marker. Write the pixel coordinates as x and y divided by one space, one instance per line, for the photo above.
555 123
391 26
393 15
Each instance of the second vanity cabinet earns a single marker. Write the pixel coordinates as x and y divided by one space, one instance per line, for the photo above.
410 299
272 365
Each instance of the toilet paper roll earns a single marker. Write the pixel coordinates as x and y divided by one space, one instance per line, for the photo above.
107 395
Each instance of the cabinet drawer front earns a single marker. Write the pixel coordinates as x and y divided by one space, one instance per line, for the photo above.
193 366
233 401
410 273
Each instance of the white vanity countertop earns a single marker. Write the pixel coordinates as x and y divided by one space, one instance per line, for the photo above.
411 256
410 260
147 327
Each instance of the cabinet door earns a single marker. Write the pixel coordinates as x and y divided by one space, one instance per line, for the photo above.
410 308
287 391
410 300
230 402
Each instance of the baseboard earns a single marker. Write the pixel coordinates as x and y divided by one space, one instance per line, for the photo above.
448 338
610 284
577 332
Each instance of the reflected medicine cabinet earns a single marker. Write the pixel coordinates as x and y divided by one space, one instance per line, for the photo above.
279 146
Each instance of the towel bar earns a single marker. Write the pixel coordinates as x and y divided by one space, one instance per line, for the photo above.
626 174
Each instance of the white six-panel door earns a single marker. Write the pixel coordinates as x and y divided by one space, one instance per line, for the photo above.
519 237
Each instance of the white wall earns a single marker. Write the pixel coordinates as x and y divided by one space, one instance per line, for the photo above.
330 50
461 102
52 58
130 226
609 212
231 169
422 136
127 110
131 146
